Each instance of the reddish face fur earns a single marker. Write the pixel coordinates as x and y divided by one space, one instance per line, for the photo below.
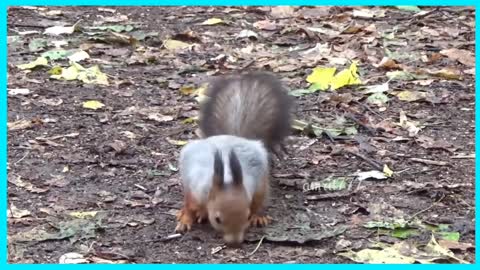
228 212
228 205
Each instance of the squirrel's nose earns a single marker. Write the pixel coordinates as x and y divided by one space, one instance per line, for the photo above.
233 240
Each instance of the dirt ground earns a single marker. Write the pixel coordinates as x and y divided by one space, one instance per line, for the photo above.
121 160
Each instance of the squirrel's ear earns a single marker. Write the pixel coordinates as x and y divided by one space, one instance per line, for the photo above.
218 170
236 169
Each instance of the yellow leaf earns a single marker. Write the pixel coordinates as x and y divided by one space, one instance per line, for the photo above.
387 171
172 45
321 77
212 21
187 90
190 120
82 215
93 75
411 95
40 61
446 73
346 77
93 104
177 142
56 70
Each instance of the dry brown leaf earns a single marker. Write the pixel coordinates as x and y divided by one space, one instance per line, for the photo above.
265 25
282 11
17 181
463 56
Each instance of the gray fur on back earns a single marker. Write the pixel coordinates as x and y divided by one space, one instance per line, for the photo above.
196 163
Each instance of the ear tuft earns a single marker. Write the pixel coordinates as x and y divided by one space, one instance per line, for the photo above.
218 169
236 169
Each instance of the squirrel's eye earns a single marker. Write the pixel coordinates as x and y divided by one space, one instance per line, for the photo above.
217 219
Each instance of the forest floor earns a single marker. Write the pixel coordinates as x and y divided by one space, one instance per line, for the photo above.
102 185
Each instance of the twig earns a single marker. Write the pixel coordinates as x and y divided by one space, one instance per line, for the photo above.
372 162
429 162
472 156
28 152
258 245
428 208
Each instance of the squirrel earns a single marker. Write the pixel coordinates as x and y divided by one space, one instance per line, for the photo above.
225 173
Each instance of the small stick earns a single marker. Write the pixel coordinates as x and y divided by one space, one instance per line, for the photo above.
472 156
258 245
429 162
368 160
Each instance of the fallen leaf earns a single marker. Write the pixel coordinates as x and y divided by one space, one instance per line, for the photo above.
83 215
78 56
463 56
72 258
404 233
320 78
14 212
454 245
282 11
389 255
173 45
378 175
409 8
55 54
93 104
410 126
17 181
265 25
379 99
411 96
59 30
18 91
401 76
20 124
37 44
40 61
212 21
368 13
387 171
73 229
247 34
387 63
446 73
75 71
160 118
379 88
176 142
346 77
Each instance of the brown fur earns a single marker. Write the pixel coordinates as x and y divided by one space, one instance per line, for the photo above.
258 218
191 211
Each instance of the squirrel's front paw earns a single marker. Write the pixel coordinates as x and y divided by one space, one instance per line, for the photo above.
259 221
185 221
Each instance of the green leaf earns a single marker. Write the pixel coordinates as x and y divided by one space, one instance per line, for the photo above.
55 54
451 236
404 233
37 44
378 99
401 76
409 8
